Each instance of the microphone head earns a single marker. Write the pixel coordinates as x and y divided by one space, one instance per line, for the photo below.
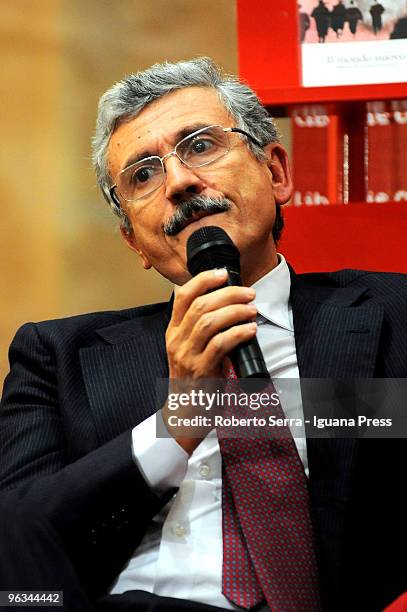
210 247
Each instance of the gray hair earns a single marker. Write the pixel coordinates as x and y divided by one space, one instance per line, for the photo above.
128 97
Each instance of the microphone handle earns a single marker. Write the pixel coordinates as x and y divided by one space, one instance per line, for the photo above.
247 358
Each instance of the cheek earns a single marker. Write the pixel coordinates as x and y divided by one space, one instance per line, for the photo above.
265 199
151 239
257 196
144 221
150 244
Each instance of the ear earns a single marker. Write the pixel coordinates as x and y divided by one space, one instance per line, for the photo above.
279 166
130 239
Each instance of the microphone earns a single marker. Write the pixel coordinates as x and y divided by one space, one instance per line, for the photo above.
211 247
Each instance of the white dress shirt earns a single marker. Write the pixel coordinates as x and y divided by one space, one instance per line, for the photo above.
181 552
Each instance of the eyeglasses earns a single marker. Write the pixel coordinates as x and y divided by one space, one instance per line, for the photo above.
199 149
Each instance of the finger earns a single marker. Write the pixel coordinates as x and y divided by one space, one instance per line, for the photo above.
211 303
220 298
197 286
212 323
223 343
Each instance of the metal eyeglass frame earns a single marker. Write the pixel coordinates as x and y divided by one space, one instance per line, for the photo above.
115 198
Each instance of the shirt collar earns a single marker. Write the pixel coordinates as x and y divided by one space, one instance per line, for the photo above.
272 295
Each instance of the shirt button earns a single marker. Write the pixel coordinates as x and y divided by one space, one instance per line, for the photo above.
179 530
204 470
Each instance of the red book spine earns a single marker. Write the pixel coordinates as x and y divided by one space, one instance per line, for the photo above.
317 156
380 153
399 124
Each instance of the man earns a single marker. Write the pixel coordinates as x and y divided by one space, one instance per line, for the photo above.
321 15
400 29
338 18
305 22
376 11
88 503
353 15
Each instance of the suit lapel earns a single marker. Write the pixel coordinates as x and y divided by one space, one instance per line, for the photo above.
337 332
121 374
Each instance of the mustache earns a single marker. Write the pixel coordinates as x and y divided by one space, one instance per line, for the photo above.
187 209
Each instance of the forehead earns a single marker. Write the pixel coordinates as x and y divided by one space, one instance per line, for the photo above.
157 126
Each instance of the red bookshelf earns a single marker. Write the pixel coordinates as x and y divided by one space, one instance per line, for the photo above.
366 235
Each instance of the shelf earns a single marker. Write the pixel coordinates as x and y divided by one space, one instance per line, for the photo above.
320 95
367 236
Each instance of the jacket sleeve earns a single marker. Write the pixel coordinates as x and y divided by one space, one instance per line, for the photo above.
100 504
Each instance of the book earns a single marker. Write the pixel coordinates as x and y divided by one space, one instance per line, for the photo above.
385 151
318 156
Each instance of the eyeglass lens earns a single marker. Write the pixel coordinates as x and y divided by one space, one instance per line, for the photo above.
198 149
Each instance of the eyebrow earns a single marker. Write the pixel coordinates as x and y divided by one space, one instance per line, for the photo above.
180 135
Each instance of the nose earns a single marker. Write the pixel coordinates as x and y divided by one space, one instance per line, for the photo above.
180 180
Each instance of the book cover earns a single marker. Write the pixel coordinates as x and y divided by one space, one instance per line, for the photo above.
353 42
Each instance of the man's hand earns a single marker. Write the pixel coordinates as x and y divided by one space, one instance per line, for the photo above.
204 328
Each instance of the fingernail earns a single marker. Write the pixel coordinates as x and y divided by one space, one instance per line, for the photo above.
219 272
252 325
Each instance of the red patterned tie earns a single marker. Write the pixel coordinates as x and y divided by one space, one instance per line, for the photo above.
268 550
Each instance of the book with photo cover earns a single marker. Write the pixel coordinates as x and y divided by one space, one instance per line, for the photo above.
352 42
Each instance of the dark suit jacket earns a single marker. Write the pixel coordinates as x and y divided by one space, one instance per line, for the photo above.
78 386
